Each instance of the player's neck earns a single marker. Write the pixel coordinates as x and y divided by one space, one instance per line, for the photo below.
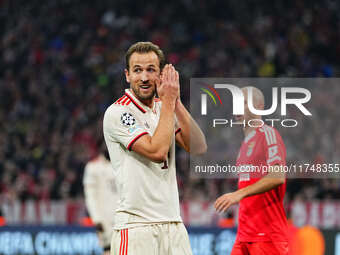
147 102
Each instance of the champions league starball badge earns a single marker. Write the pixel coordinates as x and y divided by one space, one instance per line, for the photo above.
127 119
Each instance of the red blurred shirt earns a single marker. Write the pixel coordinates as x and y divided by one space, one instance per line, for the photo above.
261 217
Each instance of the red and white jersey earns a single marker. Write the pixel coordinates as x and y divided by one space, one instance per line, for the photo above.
147 190
261 217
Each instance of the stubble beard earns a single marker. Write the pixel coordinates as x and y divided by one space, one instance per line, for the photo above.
141 96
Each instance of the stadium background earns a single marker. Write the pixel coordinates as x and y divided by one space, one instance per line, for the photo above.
62 65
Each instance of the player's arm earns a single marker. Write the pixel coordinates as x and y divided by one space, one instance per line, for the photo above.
188 124
273 179
156 147
274 153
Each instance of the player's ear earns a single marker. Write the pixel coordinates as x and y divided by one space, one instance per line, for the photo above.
127 75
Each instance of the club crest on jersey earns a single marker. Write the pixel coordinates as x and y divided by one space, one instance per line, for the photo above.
250 148
127 119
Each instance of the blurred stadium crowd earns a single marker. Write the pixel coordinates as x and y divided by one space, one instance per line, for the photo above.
62 64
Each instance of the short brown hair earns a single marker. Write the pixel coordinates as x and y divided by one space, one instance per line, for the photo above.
145 47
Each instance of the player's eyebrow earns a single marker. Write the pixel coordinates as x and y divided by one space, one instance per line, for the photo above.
136 66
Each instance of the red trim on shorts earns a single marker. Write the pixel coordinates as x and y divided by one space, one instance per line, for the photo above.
134 140
127 241
134 102
178 130
123 233
121 241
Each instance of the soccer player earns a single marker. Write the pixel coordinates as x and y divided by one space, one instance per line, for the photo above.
262 227
101 196
140 132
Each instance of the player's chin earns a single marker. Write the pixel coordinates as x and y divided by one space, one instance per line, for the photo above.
146 95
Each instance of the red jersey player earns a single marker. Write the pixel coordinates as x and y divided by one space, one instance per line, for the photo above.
262 221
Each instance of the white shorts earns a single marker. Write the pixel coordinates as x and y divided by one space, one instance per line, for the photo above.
155 239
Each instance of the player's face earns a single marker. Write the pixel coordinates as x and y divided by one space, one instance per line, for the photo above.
142 75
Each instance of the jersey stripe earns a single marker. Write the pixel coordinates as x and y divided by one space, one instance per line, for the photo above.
124 101
270 135
271 160
274 136
267 133
133 101
121 242
126 241
120 99
134 140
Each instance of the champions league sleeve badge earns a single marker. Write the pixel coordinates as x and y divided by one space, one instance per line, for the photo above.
127 119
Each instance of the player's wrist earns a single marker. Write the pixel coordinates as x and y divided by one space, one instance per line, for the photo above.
179 106
178 102
241 193
169 103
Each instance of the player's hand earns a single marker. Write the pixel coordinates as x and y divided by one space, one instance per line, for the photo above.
225 201
178 84
168 86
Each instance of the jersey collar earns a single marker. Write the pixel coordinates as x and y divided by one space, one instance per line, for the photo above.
142 107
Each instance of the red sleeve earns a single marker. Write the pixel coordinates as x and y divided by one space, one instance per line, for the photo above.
274 148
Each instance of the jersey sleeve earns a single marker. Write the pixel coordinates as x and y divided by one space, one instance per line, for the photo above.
121 125
273 147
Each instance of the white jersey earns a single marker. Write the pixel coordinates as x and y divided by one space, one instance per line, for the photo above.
147 190
100 191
